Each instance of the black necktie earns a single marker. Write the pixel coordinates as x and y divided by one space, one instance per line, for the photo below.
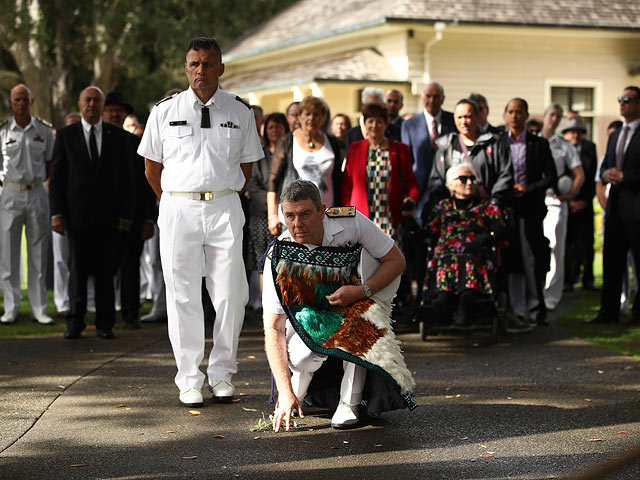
620 151
205 122
93 145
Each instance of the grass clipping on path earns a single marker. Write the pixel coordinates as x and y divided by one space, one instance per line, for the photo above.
618 337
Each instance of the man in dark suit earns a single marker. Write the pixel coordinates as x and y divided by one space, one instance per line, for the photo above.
534 172
370 95
483 114
394 100
579 251
621 168
131 242
420 133
91 195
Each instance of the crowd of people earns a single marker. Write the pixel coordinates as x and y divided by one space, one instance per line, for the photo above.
505 209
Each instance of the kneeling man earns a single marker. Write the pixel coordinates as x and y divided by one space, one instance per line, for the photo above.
315 307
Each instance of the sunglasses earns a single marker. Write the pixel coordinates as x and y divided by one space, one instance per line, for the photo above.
466 178
625 99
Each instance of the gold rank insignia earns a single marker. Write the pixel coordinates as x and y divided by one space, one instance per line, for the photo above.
44 122
338 212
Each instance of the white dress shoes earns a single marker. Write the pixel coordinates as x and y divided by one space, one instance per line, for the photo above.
8 317
43 318
222 391
345 416
191 398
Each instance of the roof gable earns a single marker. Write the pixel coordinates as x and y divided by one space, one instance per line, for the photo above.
307 20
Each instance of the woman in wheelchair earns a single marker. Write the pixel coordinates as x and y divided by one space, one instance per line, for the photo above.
462 231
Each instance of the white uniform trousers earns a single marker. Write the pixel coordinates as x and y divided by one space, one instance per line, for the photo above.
61 272
303 363
555 229
145 272
153 272
192 234
28 208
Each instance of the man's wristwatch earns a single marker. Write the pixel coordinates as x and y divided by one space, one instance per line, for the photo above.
367 290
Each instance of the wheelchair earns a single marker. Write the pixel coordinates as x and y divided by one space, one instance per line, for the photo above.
468 312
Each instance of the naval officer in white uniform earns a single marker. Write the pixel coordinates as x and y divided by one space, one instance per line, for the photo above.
199 146
308 224
27 147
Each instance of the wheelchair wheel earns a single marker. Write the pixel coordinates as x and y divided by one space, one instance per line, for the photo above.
423 330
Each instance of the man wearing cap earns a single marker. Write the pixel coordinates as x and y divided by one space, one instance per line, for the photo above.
91 193
199 147
579 244
115 111
27 146
570 180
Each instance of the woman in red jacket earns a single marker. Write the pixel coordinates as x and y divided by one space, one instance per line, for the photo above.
378 178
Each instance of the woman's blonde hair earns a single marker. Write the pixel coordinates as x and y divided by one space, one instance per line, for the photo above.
312 103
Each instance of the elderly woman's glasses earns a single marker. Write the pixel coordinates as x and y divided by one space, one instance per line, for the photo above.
466 178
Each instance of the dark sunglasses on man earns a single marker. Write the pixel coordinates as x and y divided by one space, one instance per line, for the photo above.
466 178
625 99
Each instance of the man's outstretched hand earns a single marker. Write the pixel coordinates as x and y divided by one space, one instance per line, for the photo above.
284 409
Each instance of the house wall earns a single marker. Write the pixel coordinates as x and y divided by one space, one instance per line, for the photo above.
502 63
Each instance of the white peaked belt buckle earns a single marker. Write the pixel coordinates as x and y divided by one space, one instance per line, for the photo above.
19 186
202 196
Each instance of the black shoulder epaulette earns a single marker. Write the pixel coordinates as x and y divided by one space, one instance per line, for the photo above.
166 98
244 102
44 122
340 212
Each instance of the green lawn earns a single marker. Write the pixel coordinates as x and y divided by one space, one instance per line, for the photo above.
617 337
25 326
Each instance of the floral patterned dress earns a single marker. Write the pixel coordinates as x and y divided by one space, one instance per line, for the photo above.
455 267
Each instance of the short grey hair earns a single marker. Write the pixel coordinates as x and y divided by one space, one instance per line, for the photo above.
93 87
25 87
372 92
454 172
299 190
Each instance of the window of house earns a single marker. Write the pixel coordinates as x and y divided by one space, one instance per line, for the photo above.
577 99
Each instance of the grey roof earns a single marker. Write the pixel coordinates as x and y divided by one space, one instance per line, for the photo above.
364 64
311 19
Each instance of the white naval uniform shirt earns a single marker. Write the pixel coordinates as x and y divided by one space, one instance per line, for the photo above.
338 232
25 151
198 159
565 156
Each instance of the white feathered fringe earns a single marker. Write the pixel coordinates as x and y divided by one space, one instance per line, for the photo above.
386 352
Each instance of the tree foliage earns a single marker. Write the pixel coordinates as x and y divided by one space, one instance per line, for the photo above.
137 47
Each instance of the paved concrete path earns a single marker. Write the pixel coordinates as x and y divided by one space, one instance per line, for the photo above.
534 406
